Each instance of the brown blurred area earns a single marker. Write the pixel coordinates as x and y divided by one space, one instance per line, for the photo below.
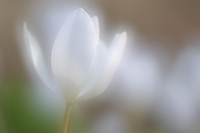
166 20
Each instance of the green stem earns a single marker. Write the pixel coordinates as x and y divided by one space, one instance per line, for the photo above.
66 120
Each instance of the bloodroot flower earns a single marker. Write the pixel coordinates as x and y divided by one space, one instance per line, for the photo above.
82 65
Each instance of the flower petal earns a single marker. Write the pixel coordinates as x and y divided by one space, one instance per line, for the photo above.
100 59
38 60
73 53
106 71
95 21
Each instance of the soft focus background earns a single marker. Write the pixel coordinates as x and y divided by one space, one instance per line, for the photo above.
155 89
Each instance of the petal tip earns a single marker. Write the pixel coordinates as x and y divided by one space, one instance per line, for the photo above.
95 18
25 25
124 34
81 11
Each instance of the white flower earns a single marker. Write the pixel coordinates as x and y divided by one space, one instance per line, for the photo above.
176 108
111 121
82 65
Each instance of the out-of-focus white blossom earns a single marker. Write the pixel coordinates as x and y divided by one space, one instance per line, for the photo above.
179 101
176 109
82 66
111 122
187 70
137 82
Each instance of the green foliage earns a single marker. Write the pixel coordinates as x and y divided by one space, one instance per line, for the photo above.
23 114
20 112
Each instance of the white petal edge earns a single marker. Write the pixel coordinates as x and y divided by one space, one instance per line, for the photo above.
100 59
38 60
74 52
95 21
106 73
116 51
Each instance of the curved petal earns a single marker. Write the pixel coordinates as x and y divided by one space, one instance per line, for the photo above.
73 53
95 21
38 60
100 59
106 71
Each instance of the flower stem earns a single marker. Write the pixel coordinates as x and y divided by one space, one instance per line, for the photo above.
66 120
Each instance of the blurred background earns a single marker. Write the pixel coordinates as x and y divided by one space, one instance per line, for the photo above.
155 89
